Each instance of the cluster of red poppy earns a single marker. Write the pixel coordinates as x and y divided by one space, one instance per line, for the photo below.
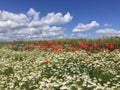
110 46
83 45
29 47
92 46
58 46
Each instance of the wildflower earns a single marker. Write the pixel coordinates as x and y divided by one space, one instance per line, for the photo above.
64 87
83 45
91 47
28 47
110 46
46 61
24 79
97 44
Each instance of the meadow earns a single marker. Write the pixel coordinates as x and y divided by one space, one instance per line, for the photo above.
64 64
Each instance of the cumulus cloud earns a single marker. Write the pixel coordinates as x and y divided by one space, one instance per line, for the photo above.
85 27
30 26
109 32
5 15
58 18
33 15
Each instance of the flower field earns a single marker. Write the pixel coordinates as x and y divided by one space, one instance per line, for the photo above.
51 65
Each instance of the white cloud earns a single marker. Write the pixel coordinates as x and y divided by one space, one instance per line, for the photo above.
85 27
107 25
33 15
54 19
82 35
108 32
81 29
30 26
5 15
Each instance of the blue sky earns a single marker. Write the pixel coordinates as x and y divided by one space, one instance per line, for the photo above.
49 19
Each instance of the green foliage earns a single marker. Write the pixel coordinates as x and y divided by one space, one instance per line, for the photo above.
8 71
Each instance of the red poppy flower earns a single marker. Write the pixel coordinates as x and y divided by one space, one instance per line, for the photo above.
110 46
46 61
83 45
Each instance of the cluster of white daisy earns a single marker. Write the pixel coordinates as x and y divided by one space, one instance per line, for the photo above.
79 70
